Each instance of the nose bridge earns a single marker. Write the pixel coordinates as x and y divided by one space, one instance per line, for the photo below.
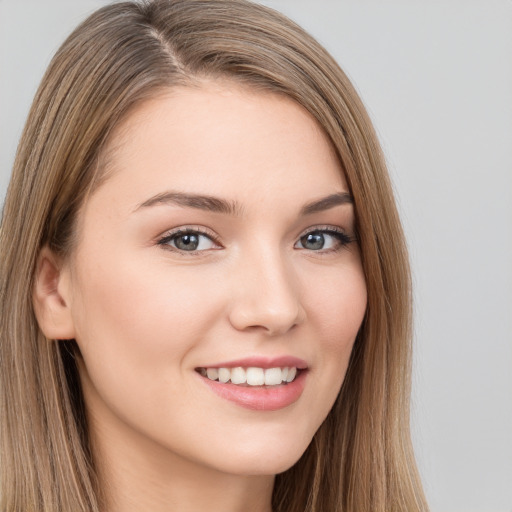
266 292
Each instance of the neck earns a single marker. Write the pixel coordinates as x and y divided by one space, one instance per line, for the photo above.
186 492
138 476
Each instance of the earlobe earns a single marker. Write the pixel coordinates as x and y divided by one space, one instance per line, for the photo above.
50 297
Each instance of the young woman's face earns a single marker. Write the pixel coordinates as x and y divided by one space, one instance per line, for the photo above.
221 247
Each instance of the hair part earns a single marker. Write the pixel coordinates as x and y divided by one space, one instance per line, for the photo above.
361 458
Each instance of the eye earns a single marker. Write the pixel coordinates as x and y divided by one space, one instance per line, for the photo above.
188 240
323 240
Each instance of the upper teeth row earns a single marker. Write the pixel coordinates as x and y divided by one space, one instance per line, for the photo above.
251 376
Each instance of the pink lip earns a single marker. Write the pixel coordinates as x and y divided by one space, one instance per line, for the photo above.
262 362
259 398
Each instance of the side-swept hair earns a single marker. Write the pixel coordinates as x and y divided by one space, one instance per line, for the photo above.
360 460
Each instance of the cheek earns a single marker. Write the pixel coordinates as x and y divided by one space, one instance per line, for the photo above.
337 307
136 311
137 325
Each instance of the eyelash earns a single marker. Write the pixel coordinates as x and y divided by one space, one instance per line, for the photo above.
342 238
173 235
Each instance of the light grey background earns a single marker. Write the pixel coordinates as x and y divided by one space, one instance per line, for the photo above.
437 80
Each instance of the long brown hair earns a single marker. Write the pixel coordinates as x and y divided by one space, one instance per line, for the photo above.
361 458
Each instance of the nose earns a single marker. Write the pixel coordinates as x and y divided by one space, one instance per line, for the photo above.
265 295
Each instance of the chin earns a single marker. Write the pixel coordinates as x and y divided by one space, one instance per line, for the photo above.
269 460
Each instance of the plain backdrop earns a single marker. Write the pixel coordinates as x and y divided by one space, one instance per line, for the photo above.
437 80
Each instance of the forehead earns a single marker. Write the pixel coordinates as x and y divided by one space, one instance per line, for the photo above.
225 139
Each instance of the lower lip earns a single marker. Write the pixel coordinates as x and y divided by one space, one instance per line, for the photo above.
260 398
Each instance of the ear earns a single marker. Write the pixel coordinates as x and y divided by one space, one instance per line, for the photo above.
51 297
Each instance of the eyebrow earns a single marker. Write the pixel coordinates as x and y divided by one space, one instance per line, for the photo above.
326 203
200 202
218 205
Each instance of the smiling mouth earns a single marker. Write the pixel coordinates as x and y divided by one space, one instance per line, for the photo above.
251 376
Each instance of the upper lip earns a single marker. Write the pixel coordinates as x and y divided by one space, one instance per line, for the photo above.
261 362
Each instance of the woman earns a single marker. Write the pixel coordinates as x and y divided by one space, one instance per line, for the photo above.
204 285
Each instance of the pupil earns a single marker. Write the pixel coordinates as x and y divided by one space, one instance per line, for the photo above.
313 241
187 242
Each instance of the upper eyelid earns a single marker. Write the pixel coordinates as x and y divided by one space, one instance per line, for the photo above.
327 228
188 229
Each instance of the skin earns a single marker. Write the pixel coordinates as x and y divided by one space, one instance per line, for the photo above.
146 315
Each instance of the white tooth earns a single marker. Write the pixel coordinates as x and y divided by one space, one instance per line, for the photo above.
255 376
273 376
212 373
224 374
284 373
238 375
291 374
